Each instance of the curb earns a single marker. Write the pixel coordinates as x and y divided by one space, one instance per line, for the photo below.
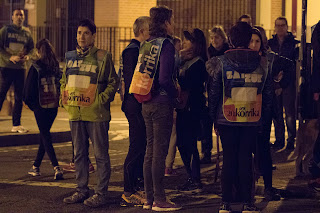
32 139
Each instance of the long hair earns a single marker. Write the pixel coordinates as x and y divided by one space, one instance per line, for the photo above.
262 47
199 42
47 55
159 15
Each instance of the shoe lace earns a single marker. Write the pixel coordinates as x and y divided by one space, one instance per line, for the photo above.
136 199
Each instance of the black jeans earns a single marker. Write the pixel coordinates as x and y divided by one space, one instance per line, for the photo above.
206 141
45 118
287 100
158 118
133 165
263 154
237 143
187 125
7 77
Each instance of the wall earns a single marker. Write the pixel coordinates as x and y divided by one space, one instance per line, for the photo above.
120 13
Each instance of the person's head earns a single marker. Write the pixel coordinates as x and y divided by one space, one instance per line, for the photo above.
256 43
196 41
177 43
141 28
263 35
162 23
240 35
46 53
86 33
18 17
246 18
281 26
217 37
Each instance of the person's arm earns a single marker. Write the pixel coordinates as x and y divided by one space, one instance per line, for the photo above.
111 78
30 92
267 97
215 86
167 61
29 48
4 54
130 59
287 67
63 82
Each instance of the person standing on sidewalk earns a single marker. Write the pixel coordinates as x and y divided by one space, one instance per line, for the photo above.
88 85
157 95
133 164
192 78
16 47
240 93
284 43
41 95
218 45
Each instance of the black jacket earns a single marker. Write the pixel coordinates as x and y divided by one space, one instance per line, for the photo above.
315 41
213 52
288 49
31 88
130 59
243 60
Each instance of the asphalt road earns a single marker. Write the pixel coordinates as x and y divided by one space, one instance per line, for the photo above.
20 192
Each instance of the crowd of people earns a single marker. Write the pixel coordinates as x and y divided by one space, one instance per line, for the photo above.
174 93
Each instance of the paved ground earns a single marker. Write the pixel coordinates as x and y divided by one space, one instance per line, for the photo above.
22 193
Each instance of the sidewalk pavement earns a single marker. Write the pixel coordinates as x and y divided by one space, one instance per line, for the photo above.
60 129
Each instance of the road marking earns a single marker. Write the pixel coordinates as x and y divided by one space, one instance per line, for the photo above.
53 184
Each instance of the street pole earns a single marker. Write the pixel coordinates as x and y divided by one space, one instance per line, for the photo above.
303 71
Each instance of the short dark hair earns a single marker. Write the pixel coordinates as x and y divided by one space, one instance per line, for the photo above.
88 23
244 16
240 34
159 15
19 9
281 18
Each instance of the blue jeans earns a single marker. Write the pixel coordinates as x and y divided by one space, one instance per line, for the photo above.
159 120
81 131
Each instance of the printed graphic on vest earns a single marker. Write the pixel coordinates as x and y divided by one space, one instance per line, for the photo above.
48 92
81 85
144 73
242 101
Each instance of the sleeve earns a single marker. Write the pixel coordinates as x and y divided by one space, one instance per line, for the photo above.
166 73
112 81
215 86
63 82
130 58
315 41
30 92
286 65
267 97
29 46
4 54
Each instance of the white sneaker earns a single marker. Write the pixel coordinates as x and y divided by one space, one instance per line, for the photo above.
19 129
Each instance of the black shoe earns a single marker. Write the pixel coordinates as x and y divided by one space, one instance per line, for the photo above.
277 145
206 159
225 208
290 146
190 187
271 194
77 197
250 208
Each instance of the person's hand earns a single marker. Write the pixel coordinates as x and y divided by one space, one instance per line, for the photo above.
316 96
279 77
15 59
278 91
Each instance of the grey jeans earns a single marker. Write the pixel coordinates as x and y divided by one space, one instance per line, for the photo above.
158 119
81 131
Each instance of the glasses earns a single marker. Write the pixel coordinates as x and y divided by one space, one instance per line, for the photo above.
281 25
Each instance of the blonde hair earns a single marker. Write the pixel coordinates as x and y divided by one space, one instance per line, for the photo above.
218 29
